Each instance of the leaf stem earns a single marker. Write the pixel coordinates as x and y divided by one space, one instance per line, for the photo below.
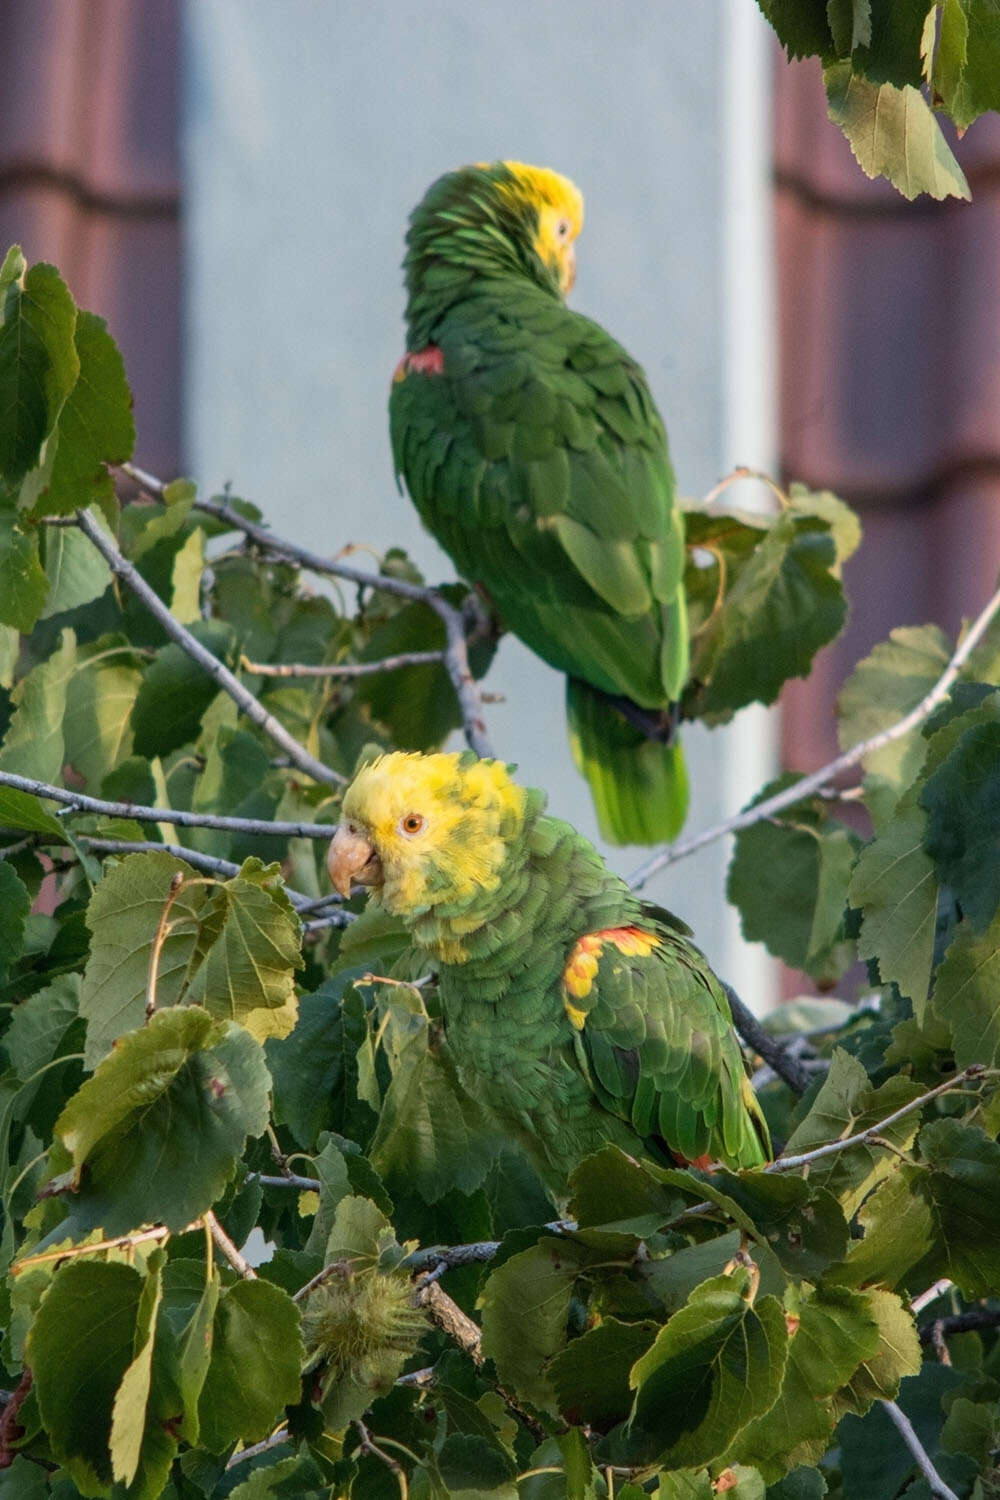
176 881
343 669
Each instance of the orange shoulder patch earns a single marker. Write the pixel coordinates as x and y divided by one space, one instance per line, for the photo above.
585 956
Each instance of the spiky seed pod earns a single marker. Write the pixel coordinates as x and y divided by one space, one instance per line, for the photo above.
359 1331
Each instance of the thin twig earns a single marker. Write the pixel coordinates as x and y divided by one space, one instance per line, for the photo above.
456 655
344 669
69 1252
78 802
239 1263
965 1322
176 881
932 1293
287 1180
904 1427
216 670
868 1137
282 1435
799 790
369 1445
336 1268
775 1053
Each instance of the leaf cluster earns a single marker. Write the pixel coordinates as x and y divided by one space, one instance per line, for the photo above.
199 1052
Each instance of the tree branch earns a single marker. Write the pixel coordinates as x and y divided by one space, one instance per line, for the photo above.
239 1263
775 1053
450 1318
277 1438
817 780
78 802
217 670
966 1322
904 1427
344 669
455 657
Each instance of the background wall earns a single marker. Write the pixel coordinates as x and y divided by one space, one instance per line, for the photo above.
306 145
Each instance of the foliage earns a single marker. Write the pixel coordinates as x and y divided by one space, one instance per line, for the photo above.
196 1043
890 67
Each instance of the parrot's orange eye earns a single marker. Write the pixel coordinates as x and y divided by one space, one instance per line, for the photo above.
563 228
412 823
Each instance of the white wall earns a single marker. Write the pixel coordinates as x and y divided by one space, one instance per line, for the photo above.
311 129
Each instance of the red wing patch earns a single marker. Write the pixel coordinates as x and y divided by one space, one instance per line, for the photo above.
429 361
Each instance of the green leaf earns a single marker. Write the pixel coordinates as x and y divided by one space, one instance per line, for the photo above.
525 1304
962 802
898 1229
897 1355
314 1070
609 1182
82 1340
783 604
831 1333
895 887
965 994
248 973
128 1416
195 1354
973 1428
38 362
882 689
176 691
892 133
39 1025
23 811
591 1375
77 573
97 722
15 904
962 1184
801 1222
33 745
95 425
431 1134
189 565
715 1366
789 877
155 1134
470 1465
124 915
23 584
803 29
847 1105
256 1330
967 66
295 1478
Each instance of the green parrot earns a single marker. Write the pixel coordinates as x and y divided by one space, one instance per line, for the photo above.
532 448
577 1015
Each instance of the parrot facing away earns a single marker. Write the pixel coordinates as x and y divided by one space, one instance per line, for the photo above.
530 444
577 1015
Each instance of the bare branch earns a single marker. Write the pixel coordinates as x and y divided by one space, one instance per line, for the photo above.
904 1427
369 1445
239 1263
870 1136
217 670
286 1180
775 1053
78 802
344 669
932 1293
965 1322
450 1318
826 774
277 1438
456 656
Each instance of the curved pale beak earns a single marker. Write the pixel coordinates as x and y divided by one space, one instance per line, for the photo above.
567 274
352 857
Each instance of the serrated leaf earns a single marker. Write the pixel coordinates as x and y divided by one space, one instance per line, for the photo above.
801 1222
76 572
715 1366
97 723
161 1124
38 363
590 1376
431 1134
176 691
33 744
256 1329
962 1184
313 1069
194 1357
892 133
967 66
897 1224
609 1183
789 877
123 916
248 972
95 425
39 1024
82 1340
898 1354
962 802
128 1415
22 810
882 689
23 584
966 987
832 1332
895 887
189 565
298 1477
525 1305
803 29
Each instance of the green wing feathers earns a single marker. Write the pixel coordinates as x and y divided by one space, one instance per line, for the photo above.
657 1034
639 785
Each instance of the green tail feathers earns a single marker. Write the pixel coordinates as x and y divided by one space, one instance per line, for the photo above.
639 786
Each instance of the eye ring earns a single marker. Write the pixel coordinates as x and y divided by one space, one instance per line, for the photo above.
563 228
412 823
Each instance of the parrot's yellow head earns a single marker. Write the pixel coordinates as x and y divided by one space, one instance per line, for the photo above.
428 831
493 218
